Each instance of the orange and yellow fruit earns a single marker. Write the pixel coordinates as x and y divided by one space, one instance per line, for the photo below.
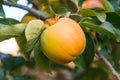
93 4
63 41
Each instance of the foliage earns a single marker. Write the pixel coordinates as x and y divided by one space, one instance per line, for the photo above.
101 28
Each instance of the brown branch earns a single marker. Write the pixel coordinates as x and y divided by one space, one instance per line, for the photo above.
35 12
109 65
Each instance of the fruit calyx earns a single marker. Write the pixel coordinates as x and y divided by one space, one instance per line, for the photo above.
50 21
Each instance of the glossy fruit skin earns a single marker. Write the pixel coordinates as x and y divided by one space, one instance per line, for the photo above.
63 41
93 4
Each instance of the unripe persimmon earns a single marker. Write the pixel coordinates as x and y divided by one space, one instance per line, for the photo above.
93 4
28 17
63 41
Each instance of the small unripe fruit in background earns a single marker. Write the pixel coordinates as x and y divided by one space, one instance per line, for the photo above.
63 41
28 17
93 4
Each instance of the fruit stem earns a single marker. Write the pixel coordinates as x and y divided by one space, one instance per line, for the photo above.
67 14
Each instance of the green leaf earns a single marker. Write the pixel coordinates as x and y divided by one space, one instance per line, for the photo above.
84 60
63 67
80 2
41 60
52 13
1 74
114 19
8 21
116 55
2 13
62 10
72 6
2 55
75 1
101 16
43 2
76 18
21 41
96 74
30 45
24 77
105 28
115 4
108 6
118 12
104 44
109 27
58 8
13 1
32 33
63 6
78 78
11 62
11 31
88 12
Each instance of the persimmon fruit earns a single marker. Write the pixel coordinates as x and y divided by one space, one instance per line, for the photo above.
63 41
28 17
93 4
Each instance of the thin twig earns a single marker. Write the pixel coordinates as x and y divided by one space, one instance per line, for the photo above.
78 10
67 14
75 14
109 65
35 12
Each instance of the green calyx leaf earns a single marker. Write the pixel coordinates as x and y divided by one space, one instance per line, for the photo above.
41 60
32 33
34 29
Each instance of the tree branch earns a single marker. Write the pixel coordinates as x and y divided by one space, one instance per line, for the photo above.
33 3
35 12
109 65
